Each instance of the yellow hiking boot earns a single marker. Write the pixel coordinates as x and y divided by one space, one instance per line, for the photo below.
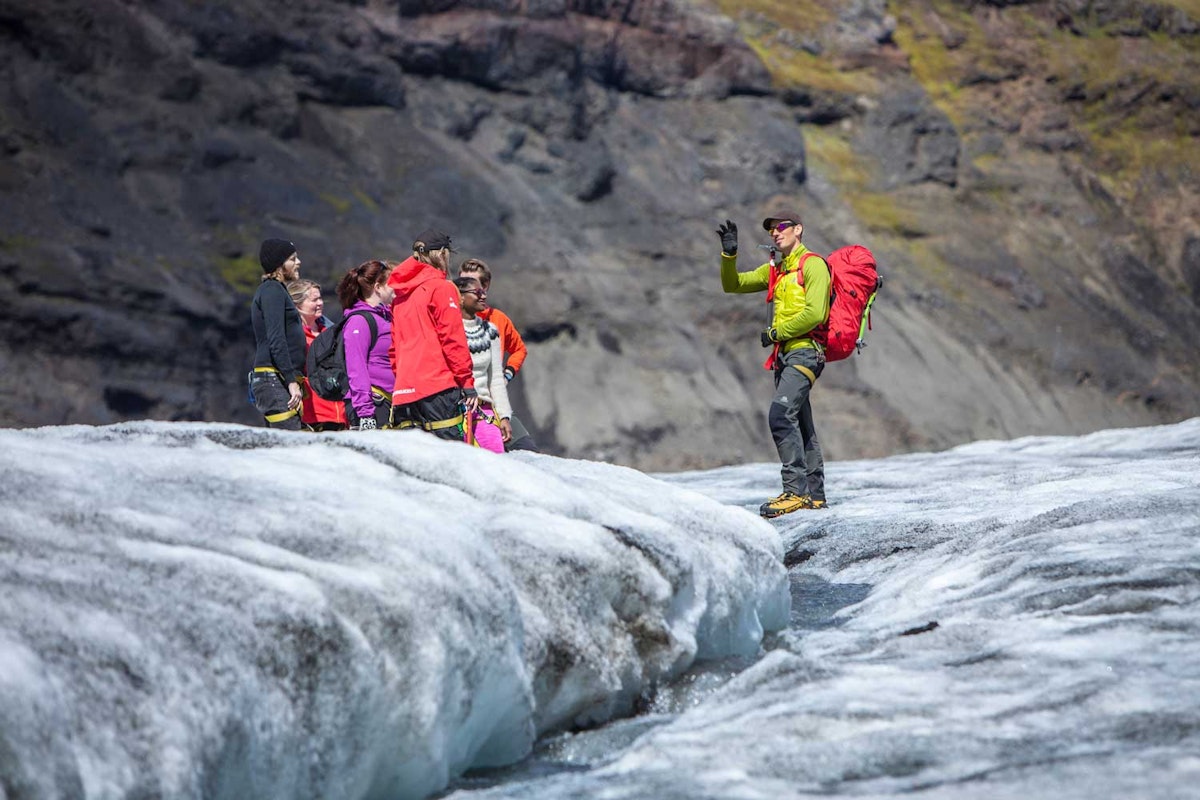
786 503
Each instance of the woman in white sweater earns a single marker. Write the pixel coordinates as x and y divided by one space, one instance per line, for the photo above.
490 423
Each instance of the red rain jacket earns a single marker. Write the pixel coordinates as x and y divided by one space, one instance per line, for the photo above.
428 337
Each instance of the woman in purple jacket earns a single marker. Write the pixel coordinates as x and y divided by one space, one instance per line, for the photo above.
365 294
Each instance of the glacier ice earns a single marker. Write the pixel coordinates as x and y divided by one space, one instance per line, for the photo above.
201 610
1064 577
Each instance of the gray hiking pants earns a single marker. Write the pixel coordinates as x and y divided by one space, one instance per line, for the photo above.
271 398
521 438
791 421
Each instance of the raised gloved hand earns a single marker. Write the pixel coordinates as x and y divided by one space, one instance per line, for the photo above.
509 374
728 234
368 424
769 337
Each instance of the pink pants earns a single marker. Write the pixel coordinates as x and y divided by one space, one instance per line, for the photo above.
487 435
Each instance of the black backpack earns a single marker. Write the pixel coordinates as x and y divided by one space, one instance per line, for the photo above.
326 362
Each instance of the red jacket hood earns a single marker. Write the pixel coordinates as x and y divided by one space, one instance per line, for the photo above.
409 274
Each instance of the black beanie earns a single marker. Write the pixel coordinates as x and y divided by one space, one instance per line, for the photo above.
273 253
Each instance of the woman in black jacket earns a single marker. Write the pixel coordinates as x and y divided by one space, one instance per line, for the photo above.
279 336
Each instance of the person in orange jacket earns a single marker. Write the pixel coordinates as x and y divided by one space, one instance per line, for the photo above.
316 413
513 345
434 377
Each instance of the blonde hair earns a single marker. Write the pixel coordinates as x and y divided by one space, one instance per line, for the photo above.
299 288
438 259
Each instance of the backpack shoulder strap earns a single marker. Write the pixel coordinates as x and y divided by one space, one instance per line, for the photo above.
800 266
365 314
370 318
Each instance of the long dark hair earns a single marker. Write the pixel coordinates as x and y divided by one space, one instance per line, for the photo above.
359 282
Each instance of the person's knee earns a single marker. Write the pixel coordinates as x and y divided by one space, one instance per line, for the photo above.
780 421
526 442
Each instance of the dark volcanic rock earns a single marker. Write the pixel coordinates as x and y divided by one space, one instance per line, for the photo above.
591 171
153 147
819 108
552 48
585 149
913 140
347 78
1191 267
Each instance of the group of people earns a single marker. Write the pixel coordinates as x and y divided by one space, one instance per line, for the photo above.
421 350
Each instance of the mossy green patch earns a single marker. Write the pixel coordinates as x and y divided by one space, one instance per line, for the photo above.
792 68
799 15
366 200
1189 7
832 150
773 30
340 205
1127 153
851 172
894 224
16 242
1124 94
885 213
1126 114
926 256
243 273
948 50
987 161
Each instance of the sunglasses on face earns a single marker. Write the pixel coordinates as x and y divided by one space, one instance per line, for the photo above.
782 226
476 292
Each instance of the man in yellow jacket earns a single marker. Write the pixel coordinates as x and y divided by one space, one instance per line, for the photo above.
797 283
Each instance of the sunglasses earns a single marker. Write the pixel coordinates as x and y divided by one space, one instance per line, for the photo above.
782 226
476 292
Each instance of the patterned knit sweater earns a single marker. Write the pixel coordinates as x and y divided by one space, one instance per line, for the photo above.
483 340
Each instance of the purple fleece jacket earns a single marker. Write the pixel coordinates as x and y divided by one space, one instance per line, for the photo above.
366 369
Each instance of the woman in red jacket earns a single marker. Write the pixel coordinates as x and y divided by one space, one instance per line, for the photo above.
316 413
434 380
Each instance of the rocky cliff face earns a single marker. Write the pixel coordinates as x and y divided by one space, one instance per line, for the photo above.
1025 174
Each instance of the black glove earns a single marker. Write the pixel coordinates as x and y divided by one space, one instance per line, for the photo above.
728 234
509 374
769 337
469 393
368 424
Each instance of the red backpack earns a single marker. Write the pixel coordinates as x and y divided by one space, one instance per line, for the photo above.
853 283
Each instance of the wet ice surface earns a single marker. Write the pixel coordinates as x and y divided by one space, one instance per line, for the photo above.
1063 575
215 611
